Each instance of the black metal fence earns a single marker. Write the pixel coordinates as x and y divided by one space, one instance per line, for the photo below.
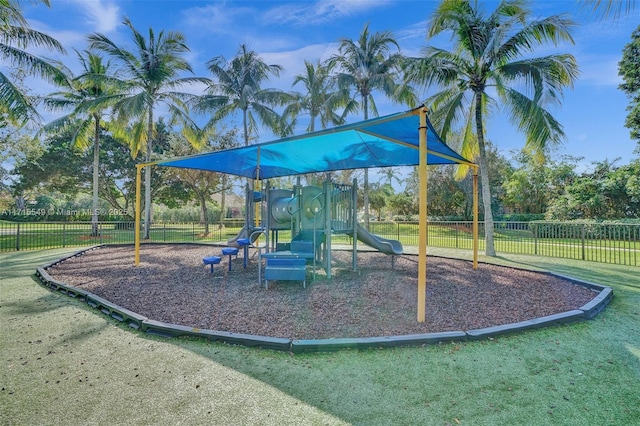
39 235
607 243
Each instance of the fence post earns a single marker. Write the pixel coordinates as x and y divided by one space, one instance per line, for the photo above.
164 232
64 234
18 238
456 227
583 242
427 232
636 232
535 238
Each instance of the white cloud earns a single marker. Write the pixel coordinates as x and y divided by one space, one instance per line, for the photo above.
67 38
103 16
293 61
319 12
599 70
413 32
217 18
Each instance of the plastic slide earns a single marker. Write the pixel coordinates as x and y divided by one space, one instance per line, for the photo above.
383 245
244 233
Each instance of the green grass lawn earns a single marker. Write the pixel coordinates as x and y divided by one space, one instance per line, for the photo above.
64 363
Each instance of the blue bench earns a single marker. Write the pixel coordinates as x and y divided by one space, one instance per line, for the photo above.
286 269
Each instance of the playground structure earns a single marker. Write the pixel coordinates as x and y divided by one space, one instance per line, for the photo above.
401 139
312 214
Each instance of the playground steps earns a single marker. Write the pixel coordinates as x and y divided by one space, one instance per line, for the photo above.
307 235
302 249
286 269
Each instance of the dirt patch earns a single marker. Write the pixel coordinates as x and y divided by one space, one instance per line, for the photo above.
172 285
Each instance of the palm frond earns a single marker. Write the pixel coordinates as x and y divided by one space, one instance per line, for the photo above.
238 87
545 77
31 64
553 29
448 110
14 103
539 126
609 8
23 37
132 108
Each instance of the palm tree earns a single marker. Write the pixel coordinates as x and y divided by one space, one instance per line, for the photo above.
391 175
368 65
238 87
493 56
321 99
88 95
15 36
151 73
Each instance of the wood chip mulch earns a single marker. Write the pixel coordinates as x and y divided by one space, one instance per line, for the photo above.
172 285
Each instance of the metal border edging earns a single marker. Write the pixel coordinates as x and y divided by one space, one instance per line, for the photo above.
159 328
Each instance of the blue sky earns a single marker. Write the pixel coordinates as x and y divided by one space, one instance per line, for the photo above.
288 32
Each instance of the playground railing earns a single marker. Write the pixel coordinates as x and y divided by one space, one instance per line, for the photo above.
598 242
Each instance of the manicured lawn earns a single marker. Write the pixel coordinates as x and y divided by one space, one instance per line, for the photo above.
65 363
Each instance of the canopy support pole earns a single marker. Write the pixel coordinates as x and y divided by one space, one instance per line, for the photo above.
475 217
257 184
139 168
422 202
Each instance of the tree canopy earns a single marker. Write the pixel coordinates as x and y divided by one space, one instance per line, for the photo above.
15 37
629 70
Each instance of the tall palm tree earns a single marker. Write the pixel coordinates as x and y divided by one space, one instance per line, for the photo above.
493 57
15 36
368 65
321 100
151 71
88 95
238 86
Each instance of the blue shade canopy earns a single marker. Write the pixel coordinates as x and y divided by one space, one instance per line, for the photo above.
387 141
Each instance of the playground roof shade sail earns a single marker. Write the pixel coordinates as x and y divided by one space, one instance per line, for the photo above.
392 140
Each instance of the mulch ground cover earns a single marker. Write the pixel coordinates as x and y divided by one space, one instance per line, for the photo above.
172 285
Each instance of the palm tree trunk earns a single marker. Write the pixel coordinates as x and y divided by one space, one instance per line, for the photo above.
312 124
245 129
96 163
484 180
204 214
223 201
147 178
